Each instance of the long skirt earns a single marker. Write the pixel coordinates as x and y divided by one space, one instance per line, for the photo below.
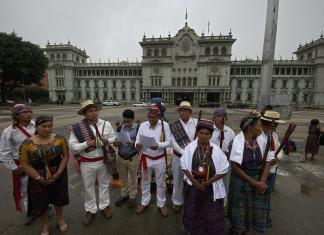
40 196
247 210
312 144
202 214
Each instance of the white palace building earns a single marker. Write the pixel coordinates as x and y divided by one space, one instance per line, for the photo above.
187 65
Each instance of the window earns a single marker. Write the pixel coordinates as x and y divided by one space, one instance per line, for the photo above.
124 96
306 84
114 95
114 84
250 83
87 84
224 51
79 83
164 52
173 82
218 79
195 81
305 97
156 52
88 95
238 96
105 95
160 82
232 71
207 51
282 71
276 71
123 84
305 72
273 84
249 98
253 71
149 52
295 84
248 71
288 71
105 84
284 84
133 96
179 82
242 71
64 56
189 81
152 81
96 95
133 84
58 57
214 81
215 51
209 81
300 70
184 81
239 83
96 84
294 71
295 97
52 57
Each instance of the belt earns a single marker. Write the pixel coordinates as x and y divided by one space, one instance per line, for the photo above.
95 159
177 154
144 162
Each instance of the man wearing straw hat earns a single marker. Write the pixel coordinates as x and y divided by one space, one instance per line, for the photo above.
183 133
87 140
153 158
12 137
269 121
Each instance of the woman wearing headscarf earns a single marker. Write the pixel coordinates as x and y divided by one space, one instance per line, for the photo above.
248 192
204 164
44 157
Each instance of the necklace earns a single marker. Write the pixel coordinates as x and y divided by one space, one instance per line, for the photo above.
253 146
201 157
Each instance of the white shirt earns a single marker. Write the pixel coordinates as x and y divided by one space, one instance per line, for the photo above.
238 149
107 133
277 144
11 140
228 137
145 129
220 162
190 129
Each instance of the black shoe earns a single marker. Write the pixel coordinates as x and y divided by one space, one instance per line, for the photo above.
131 203
121 201
29 220
176 209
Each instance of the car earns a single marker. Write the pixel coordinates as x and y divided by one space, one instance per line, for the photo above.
110 103
208 104
140 104
238 105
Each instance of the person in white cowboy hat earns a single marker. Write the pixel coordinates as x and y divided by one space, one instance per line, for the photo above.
86 140
183 133
269 121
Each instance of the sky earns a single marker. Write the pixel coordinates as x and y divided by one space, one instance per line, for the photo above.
111 29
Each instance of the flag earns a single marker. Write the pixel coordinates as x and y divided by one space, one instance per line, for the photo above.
208 25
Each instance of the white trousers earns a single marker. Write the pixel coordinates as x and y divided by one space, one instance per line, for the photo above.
158 166
177 192
23 191
226 179
90 171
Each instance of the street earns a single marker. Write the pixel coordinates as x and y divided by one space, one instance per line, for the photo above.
297 202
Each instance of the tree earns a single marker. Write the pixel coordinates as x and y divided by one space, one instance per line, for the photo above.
21 62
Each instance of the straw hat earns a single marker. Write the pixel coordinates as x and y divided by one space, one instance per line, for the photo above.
272 116
85 105
185 105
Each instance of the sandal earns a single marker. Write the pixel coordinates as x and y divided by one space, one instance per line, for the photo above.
62 226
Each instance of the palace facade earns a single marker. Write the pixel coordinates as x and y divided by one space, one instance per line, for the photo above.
185 66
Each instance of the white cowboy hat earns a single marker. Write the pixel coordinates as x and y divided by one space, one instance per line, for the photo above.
272 116
185 105
86 104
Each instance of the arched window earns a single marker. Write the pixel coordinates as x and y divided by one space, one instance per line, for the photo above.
224 51
58 57
52 57
64 56
215 51
164 52
207 51
156 52
149 52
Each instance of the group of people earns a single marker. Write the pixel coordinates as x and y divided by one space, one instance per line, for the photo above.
209 164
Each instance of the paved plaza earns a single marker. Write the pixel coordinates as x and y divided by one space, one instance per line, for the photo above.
297 203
